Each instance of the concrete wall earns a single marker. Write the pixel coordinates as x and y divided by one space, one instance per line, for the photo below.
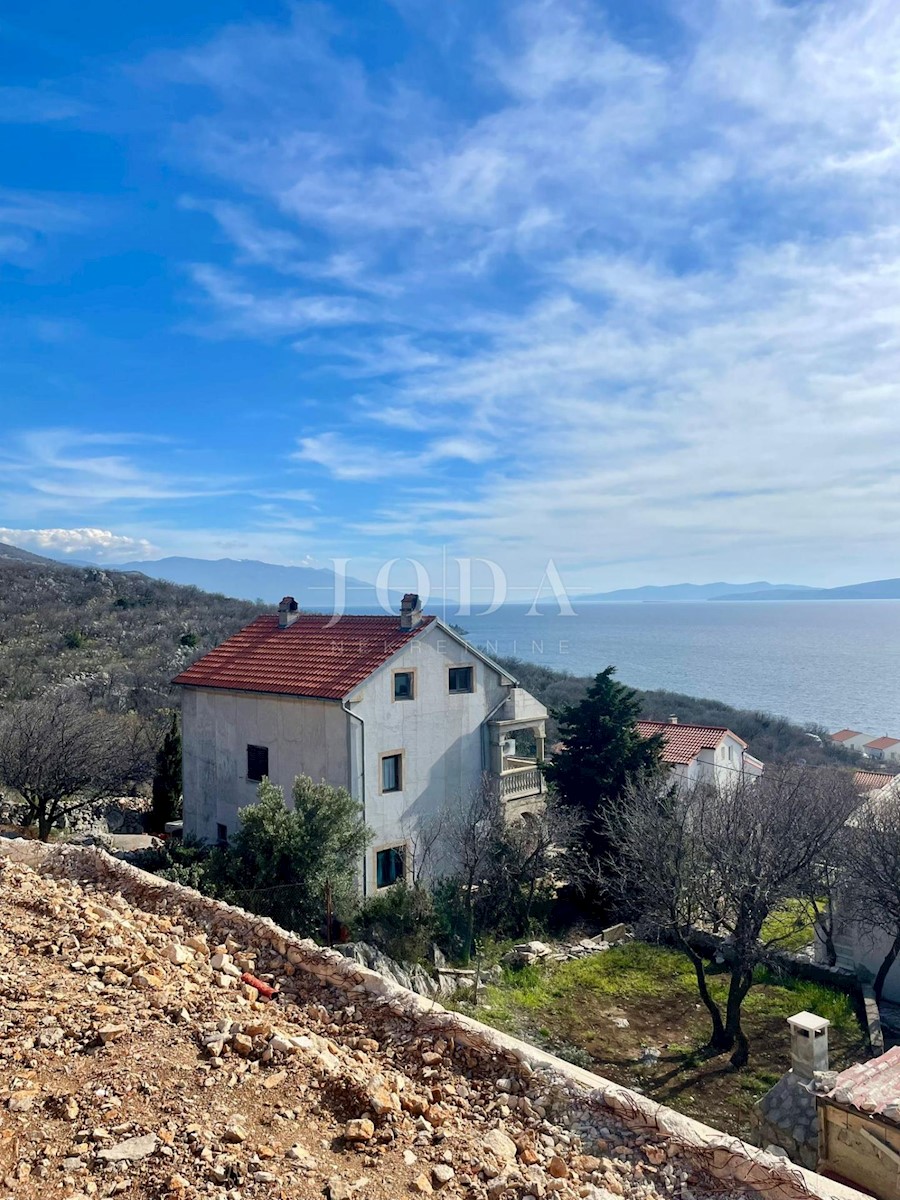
440 735
304 737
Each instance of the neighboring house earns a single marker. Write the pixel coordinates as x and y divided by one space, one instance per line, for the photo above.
885 748
703 753
871 781
852 739
859 949
401 711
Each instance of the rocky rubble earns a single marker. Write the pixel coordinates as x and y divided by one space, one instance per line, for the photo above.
138 1058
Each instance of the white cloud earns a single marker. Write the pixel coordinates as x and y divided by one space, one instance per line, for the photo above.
655 296
95 545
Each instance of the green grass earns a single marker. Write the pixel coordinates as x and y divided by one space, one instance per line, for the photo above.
790 927
570 1009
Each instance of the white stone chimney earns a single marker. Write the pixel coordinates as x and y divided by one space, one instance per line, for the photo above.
673 720
287 612
410 611
809 1044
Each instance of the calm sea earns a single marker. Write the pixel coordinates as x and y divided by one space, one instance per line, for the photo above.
835 662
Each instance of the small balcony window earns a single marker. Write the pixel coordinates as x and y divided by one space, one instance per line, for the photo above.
460 680
404 685
257 763
390 865
392 773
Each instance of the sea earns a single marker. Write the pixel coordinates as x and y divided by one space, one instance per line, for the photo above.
834 663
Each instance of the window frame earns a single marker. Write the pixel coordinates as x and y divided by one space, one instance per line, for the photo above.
411 672
401 849
221 833
401 772
451 691
266 774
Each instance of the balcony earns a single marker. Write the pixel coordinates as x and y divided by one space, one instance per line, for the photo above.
521 777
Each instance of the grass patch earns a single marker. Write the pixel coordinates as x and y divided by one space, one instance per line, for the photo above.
607 1010
790 927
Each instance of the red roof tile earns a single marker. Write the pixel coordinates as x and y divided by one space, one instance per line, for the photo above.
872 1086
882 743
305 659
684 742
868 781
843 735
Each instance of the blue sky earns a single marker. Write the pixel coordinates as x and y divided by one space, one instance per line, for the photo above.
612 283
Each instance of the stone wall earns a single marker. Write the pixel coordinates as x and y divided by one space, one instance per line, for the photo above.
570 1095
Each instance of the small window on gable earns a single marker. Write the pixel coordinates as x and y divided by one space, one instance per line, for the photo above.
460 680
257 763
392 773
390 865
404 685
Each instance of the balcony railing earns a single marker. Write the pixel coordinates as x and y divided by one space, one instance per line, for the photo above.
521 781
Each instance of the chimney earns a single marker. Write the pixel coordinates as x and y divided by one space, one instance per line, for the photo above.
673 720
410 611
809 1044
287 612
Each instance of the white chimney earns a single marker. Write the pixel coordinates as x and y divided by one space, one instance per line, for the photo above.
809 1044
673 720
287 612
410 611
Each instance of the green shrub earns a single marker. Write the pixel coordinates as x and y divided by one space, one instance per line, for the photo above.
401 921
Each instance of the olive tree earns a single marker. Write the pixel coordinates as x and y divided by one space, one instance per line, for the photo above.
724 859
62 756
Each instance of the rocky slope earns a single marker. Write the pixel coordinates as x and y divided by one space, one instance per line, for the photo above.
135 1060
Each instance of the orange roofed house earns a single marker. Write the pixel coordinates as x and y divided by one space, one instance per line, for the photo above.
400 710
703 753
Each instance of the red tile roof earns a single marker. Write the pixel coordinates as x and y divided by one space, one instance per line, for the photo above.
843 734
305 659
882 743
872 1086
684 742
868 781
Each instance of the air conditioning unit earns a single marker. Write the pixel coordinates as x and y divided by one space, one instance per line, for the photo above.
508 747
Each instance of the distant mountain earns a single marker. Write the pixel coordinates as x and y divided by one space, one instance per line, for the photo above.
13 552
876 589
686 591
246 579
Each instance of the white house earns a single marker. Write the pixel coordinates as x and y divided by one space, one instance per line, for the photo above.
703 753
852 739
886 749
401 711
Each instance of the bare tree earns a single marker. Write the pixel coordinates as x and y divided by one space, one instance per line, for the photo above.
472 830
870 893
62 756
724 859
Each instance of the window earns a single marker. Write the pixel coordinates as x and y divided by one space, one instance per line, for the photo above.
391 772
404 685
222 834
460 679
389 865
257 762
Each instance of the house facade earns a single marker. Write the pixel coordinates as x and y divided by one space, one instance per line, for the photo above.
885 749
703 753
401 711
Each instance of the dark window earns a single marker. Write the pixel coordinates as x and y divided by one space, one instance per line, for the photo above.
222 834
404 687
390 866
392 773
460 679
257 762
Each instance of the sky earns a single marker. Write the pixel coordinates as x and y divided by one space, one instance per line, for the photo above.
615 284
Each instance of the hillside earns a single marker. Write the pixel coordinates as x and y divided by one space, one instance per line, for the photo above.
121 635
769 737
